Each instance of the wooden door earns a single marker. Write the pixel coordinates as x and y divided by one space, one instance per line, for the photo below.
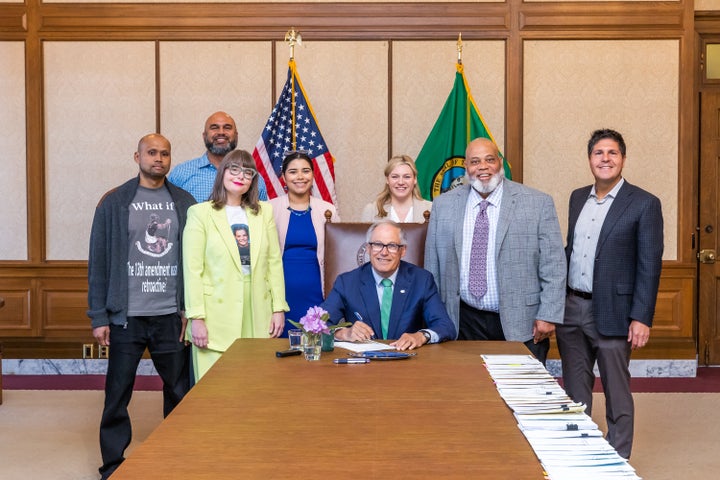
709 231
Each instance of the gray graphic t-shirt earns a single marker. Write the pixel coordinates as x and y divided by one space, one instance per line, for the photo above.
153 253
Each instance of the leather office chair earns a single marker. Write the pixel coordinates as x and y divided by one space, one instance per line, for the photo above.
345 246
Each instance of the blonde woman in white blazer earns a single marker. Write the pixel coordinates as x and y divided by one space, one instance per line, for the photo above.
400 200
300 221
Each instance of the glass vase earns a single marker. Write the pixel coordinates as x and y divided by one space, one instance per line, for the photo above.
312 346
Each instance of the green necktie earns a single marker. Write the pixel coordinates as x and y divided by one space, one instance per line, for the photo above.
385 306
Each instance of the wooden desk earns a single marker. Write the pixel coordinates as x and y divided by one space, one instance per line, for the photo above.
437 415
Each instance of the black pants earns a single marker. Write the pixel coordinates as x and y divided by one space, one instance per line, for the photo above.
483 325
159 334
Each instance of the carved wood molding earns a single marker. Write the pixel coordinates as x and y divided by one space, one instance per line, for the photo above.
13 19
344 21
616 18
262 21
707 22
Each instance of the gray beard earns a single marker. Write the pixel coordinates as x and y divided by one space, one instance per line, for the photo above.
221 151
491 185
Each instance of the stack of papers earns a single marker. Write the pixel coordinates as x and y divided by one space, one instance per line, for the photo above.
359 347
567 442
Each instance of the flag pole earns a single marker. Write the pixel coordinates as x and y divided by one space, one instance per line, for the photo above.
459 48
293 37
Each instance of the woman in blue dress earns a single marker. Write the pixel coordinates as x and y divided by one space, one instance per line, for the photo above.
300 220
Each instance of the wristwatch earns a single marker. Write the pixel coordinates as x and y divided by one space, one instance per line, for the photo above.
426 334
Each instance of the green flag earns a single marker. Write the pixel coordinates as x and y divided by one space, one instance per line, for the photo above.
440 163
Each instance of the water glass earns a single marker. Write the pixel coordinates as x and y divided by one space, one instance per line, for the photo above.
295 337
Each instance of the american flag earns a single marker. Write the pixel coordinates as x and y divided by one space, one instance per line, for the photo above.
292 126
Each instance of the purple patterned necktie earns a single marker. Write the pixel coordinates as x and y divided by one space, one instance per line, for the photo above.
477 280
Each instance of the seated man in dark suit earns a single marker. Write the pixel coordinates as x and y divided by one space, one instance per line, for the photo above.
389 298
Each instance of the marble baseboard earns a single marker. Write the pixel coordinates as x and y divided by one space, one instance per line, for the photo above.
66 367
638 368
644 368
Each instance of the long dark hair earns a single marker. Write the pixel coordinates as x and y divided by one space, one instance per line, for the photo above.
250 199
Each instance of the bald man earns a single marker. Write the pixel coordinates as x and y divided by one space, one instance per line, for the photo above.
197 175
135 295
495 250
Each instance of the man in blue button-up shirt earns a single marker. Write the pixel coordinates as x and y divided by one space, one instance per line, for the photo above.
197 175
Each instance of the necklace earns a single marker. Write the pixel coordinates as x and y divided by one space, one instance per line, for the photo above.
299 213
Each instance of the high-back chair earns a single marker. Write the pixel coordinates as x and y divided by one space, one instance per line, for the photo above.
345 247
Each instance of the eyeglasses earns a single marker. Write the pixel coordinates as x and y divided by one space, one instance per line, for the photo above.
377 247
247 173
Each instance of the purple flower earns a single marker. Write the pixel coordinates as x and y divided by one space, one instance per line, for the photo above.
315 321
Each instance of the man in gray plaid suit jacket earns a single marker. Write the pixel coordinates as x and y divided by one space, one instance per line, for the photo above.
525 266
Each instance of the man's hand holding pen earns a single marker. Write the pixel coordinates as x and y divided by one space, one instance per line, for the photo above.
358 332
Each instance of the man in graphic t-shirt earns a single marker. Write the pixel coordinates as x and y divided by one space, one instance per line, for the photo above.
135 295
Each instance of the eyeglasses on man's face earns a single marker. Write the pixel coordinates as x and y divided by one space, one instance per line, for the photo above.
377 247
247 173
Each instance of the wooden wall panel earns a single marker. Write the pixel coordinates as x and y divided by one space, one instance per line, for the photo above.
49 313
674 308
15 315
64 303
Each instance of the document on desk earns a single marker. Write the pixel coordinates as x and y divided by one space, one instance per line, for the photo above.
569 445
359 347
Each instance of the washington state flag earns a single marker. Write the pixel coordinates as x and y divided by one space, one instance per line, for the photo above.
440 163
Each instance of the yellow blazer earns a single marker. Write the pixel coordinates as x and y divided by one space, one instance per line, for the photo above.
213 276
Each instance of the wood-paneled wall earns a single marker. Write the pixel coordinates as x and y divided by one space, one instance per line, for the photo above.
44 315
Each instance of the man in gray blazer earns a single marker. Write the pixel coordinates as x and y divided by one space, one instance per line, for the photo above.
495 249
614 251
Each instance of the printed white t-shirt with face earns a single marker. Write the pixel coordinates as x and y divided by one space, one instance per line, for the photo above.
238 220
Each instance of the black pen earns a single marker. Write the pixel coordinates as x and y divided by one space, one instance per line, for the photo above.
344 361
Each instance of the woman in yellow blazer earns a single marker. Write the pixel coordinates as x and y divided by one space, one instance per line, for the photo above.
234 285
400 199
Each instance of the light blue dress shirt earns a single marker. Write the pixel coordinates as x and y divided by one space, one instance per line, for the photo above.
585 239
198 175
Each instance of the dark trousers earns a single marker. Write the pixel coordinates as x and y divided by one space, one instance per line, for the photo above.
483 325
580 345
159 334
